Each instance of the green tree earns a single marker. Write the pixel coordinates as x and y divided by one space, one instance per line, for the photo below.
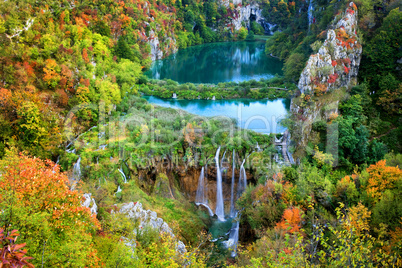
294 66
242 33
250 36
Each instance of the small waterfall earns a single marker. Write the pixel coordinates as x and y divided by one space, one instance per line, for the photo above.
118 190
242 180
200 198
310 13
123 175
219 210
174 96
233 240
223 157
258 147
211 213
232 209
77 170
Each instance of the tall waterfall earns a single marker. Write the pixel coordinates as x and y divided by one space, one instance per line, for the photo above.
310 13
232 208
242 180
219 210
201 198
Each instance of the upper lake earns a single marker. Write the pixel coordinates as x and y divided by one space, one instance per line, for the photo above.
217 62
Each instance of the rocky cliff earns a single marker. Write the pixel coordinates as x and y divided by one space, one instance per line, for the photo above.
157 51
247 13
326 77
337 62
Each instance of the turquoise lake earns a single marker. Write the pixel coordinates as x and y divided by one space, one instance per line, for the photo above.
218 62
258 115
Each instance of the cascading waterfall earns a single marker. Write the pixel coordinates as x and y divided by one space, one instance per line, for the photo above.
233 240
242 180
258 147
219 210
223 157
310 13
200 198
232 208
123 175
77 170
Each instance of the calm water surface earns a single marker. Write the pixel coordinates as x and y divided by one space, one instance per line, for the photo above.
217 62
259 115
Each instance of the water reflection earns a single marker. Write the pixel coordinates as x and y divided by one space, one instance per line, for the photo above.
258 115
218 62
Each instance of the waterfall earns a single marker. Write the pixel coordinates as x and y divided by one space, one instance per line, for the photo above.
219 210
233 240
258 147
123 175
223 168
118 190
211 213
242 180
174 96
232 209
223 157
200 198
310 13
77 170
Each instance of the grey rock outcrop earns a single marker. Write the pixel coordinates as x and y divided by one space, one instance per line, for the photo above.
337 62
149 218
156 51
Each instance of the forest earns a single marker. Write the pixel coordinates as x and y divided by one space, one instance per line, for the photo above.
82 153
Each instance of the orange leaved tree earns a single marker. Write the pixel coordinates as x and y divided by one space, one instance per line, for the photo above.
381 178
291 220
36 200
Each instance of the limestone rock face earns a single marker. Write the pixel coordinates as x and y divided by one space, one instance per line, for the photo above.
244 13
149 218
337 62
156 50
335 65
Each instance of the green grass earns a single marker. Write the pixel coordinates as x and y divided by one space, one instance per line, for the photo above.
262 37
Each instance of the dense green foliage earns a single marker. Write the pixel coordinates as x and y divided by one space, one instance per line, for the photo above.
263 89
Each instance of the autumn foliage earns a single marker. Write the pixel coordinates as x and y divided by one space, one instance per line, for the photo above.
291 220
12 254
36 199
381 178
